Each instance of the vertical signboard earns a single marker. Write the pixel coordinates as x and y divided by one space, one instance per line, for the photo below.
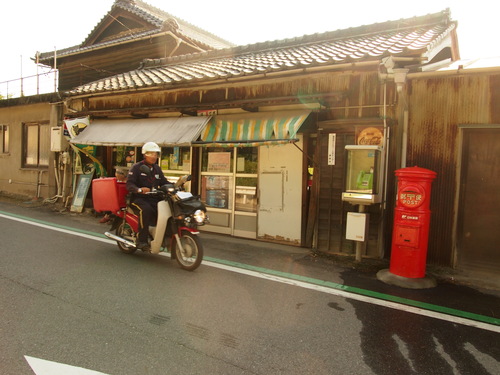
84 181
332 137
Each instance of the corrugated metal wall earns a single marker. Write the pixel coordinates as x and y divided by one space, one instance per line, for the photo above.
437 106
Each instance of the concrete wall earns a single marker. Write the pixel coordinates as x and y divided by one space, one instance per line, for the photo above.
16 179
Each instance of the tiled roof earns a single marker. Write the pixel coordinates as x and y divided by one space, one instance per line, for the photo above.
408 37
157 18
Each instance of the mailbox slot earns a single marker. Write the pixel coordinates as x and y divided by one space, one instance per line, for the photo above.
406 236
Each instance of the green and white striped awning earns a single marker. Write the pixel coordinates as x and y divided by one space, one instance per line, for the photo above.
252 129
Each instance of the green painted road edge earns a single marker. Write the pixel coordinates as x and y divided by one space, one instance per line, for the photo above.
363 292
327 284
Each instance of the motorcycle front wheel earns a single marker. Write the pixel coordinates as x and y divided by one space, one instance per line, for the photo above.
189 258
124 230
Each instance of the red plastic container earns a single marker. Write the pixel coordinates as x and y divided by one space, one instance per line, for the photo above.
108 194
122 193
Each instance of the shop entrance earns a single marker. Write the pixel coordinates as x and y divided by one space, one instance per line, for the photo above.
254 192
229 187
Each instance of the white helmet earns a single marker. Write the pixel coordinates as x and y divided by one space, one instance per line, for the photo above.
150 147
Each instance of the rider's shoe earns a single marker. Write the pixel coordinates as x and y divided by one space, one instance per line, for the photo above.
144 246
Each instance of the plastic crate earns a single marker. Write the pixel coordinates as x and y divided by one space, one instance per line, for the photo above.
108 194
122 193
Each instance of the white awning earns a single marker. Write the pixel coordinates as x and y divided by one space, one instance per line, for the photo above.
168 131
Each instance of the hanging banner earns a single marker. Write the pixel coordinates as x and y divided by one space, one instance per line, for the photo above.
73 127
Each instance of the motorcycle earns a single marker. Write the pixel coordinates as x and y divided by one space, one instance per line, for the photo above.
179 215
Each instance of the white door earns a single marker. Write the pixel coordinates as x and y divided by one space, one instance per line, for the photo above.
280 193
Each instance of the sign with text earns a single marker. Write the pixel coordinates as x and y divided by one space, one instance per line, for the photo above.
332 137
219 162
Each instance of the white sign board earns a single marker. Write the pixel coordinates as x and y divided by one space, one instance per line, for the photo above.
331 148
356 226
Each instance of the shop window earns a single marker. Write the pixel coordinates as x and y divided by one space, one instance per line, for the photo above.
246 160
36 145
220 173
4 139
176 159
217 191
217 160
124 156
217 177
246 194
229 181
175 162
246 179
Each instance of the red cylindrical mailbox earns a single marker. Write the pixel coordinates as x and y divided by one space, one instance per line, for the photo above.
411 222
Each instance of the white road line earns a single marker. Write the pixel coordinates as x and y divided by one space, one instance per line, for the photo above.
319 288
67 231
358 297
44 367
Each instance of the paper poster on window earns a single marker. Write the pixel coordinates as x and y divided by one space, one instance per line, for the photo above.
219 162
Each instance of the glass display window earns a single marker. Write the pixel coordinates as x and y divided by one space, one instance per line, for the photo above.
246 179
175 159
229 182
246 160
246 194
217 160
124 156
175 162
216 191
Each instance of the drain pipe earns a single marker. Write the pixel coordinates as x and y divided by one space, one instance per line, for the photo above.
400 75
65 160
60 193
39 183
404 141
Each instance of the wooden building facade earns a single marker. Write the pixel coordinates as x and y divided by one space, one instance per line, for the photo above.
339 84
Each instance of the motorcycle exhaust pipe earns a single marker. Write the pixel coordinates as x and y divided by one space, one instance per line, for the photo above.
119 239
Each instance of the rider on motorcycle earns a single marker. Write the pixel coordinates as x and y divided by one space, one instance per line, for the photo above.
139 183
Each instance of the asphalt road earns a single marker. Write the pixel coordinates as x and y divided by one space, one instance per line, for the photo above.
78 301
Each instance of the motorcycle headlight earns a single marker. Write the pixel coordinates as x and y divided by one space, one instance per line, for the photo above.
199 216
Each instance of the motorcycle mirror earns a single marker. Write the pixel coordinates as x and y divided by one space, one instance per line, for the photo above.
145 169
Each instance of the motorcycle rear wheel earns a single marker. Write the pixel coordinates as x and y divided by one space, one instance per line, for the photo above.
124 230
191 256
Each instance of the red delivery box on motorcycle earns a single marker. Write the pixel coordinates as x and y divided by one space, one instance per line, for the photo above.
108 194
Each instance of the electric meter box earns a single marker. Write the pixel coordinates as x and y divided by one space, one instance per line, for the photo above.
57 141
363 174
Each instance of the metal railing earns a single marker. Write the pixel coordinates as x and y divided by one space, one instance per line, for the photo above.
40 83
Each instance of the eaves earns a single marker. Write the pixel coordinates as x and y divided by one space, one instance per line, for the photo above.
237 80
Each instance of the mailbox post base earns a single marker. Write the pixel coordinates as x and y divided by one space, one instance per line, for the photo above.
405 282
